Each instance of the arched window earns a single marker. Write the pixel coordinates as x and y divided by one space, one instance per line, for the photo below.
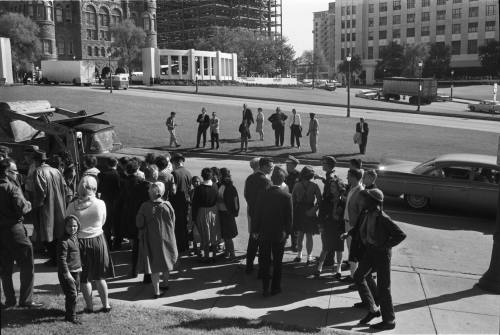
59 14
116 16
104 17
40 12
91 16
146 23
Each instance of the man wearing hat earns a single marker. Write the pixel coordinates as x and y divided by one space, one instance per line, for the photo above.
181 200
374 235
290 180
50 199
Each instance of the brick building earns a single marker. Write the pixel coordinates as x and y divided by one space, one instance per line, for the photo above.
80 29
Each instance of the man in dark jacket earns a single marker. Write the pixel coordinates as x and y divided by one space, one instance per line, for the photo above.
362 128
181 201
203 124
374 235
273 224
14 242
290 180
278 124
109 188
255 184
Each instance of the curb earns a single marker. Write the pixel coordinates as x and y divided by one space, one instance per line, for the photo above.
315 103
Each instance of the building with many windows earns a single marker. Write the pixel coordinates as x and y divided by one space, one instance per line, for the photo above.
364 27
181 22
323 49
80 29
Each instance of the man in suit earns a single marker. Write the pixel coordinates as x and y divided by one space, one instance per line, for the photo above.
351 213
14 242
181 201
278 124
255 184
291 179
272 225
109 188
376 234
203 124
295 129
362 128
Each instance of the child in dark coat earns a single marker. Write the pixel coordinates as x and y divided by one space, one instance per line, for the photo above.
69 265
245 135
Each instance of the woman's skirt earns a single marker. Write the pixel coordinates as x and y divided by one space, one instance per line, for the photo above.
228 226
208 226
96 260
303 222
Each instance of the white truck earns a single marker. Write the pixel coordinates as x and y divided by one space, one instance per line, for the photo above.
76 72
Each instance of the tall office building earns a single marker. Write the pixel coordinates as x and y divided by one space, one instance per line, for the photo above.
80 29
364 27
181 22
323 48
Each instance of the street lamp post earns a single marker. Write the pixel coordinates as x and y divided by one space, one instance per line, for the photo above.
451 90
110 74
348 59
419 83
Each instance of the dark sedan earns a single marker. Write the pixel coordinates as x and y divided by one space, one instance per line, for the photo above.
462 181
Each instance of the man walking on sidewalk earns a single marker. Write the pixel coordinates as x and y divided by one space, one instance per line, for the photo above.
273 224
375 234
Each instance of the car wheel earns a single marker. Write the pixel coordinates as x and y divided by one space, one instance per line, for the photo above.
416 201
472 109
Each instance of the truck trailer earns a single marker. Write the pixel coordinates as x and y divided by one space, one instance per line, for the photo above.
76 72
395 87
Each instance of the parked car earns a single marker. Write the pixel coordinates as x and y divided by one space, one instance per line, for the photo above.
118 81
486 106
368 94
307 82
329 87
461 181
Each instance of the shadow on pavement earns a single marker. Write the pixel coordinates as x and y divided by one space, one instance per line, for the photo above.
23 316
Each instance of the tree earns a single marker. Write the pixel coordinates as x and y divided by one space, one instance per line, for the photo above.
392 61
128 42
257 54
413 54
355 66
24 41
437 64
489 56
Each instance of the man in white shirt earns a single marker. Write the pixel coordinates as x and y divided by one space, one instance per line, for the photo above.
295 129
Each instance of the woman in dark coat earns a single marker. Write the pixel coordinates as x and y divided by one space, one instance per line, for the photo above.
205 214
228 206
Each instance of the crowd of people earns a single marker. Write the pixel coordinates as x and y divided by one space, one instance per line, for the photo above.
278 122
165 212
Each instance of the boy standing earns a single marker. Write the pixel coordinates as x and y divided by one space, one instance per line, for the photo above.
171 125
69 266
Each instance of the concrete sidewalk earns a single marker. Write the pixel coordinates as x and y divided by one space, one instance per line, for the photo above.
426 302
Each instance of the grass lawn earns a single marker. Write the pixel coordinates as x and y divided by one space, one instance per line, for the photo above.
125 319
139 121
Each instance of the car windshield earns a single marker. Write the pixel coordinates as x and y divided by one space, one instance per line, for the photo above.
103 141
423 167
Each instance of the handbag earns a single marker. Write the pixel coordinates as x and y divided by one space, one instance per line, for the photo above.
357 138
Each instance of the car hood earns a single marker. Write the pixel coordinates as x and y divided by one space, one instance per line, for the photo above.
396 165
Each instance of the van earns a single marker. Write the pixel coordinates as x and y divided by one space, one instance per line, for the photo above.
118 81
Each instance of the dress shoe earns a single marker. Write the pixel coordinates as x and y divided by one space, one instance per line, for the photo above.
383 325
347 279
31 304
317 274
337 276
370 316
275 291
105 310
8 304
297 259
156 296
360 305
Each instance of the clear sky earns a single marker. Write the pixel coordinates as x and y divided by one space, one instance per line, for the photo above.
298 22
